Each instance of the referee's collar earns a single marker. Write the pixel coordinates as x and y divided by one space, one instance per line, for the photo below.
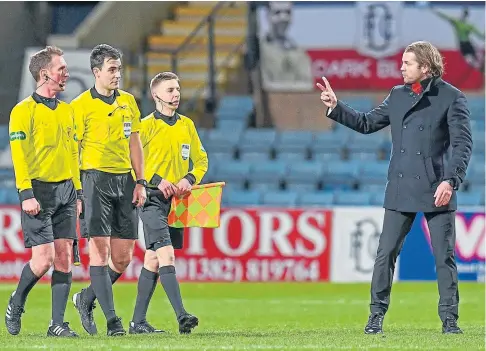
170 120
49 102
106 99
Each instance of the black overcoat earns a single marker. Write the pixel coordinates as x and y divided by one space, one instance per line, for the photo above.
431 142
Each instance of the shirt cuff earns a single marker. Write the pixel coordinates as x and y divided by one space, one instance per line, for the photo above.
26 194
329 110
156 179
79 194
190 178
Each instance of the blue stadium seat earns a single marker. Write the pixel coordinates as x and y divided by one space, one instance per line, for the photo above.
295 137
293 145
373 188
316 199
476 107
256 144
229 125
241 198
239 103
304 176
280 198
254 152
219 151
470 199
234 108
203 134
365 142
3 196
374 173
234 172
259 136
328 145
341 175
475 173
352 198
267 175
223 137
211 174
4 138
361 104
476 188
377 198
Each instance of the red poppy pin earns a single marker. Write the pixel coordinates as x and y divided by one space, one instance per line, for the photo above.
417 88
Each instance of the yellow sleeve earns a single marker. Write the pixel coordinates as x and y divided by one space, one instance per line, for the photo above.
20 132
79 118
75 156
136 122
198 156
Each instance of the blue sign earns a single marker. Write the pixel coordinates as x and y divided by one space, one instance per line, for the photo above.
417 260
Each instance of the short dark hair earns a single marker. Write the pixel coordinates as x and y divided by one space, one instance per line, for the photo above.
100 53
42 59
160 77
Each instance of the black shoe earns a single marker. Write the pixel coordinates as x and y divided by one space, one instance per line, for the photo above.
61 330
114 327
449 326
375 324
187 322
12 316
85 311
143 328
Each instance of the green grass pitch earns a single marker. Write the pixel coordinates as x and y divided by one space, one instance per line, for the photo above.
270 316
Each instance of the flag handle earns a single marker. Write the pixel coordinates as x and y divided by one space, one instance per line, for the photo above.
157 192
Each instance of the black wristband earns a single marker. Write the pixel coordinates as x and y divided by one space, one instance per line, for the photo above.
142 182
190 178
26 194
156 180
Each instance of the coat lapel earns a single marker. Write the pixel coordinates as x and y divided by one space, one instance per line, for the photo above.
413 99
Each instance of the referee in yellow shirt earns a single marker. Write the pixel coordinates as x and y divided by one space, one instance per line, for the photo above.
169 140
46 164
108 122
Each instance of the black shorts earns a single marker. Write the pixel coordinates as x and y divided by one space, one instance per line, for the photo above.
467 49
57 217
108 208
156 230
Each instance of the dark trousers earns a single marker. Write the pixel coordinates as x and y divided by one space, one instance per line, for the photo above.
442 230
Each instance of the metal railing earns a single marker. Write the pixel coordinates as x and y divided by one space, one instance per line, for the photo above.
206 24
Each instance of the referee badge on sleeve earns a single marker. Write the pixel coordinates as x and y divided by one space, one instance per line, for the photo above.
127 129
186 151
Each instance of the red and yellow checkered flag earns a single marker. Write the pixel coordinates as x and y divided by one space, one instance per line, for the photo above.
200 208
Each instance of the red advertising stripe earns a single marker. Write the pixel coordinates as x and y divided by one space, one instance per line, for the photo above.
259 245
348 70
250 245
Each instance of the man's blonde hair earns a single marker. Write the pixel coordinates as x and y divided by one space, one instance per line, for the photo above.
160 77
427 56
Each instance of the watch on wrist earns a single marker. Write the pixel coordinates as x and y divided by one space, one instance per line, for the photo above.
451 183
142 182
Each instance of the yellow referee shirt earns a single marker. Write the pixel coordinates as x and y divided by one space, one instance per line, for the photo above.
168 144
104 127
43 143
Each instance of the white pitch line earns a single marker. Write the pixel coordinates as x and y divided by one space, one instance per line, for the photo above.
244 348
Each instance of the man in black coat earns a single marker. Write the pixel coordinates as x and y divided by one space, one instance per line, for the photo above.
432 144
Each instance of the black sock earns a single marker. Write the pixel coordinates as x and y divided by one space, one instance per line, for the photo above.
171 287
60 286
27 281
90 296
146 287
100 280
